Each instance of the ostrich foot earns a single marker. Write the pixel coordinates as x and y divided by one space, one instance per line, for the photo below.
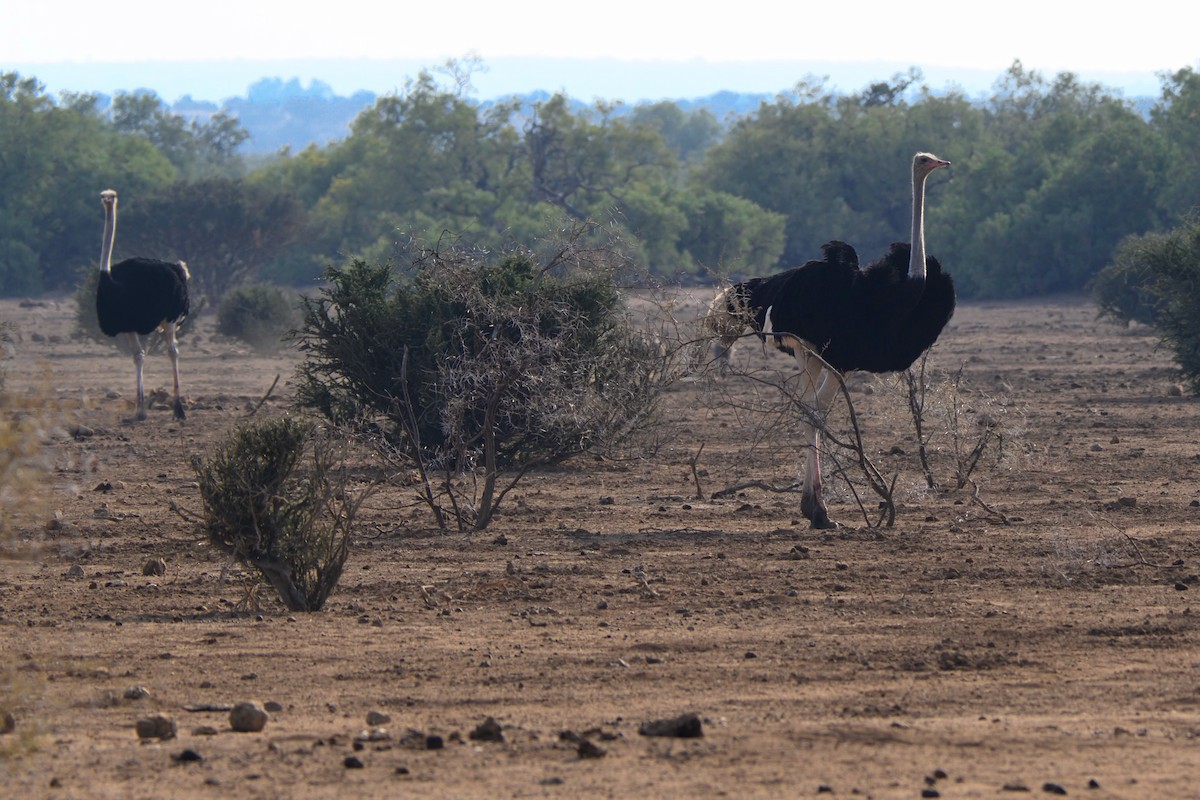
814 510
179 412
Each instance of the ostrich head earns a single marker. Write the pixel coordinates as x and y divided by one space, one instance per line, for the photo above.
108 198
925 163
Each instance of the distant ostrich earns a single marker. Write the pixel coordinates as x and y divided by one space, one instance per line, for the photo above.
878 319
138 296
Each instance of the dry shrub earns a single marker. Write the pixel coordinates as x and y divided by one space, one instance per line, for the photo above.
274 499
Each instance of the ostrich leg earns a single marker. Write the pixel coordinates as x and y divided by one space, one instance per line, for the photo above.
173 352
816 393
139 359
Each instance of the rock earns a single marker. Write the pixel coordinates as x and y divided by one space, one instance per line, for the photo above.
353 762
187 756
248 717
1053 788
373 734
685 726
1175 390
155 566
378 718
488 731
272 707
8 723
159 726
75 572
137 693
1127 502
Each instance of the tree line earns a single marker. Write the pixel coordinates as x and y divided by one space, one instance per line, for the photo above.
1049 175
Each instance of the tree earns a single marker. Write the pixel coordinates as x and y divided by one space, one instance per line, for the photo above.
225 229
54 161
196 148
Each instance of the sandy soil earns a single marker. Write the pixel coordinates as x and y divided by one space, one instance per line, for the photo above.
1042 635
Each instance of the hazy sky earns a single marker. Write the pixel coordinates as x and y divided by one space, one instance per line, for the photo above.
1047 35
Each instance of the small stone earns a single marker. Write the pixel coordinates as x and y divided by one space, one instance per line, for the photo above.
1014 787
8 723
353 762
1053 788
434 742
155 566
1127 502
75 572
248 717
488 731
272 707
189 755
1181 587
930 792
159 726
378 718
204 730
589 749
137 693
375 734
1175 390
685 726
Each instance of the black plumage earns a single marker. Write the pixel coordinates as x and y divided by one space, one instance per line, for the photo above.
877 319
138 294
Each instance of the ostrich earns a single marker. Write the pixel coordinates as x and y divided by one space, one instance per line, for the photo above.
878 319
137 296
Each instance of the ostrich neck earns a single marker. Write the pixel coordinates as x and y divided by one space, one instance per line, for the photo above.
110 233
916 264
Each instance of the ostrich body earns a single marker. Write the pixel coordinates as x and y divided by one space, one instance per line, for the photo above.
138 296
877 319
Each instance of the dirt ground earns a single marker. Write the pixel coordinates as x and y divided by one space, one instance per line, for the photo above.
1038 636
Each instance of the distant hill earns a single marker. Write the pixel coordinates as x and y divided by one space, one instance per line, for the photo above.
282 114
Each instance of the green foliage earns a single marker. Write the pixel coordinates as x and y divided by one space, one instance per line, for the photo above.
1156 279
226 229
1049 175
270 501
472 362
196 148
259 314
55 158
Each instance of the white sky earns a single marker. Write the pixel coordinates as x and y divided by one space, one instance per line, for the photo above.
1046 35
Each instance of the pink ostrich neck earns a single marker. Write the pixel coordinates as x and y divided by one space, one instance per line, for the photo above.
110 235
916 263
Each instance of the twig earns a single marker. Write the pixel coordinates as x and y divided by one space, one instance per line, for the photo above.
695 474
993 513
259 405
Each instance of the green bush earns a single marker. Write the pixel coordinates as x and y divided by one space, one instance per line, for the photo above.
477 364
259 314
271 501
1156 279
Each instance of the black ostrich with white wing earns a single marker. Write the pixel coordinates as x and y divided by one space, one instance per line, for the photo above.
877 319
138 296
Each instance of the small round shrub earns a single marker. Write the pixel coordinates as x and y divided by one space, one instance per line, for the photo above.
271 501
259 314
